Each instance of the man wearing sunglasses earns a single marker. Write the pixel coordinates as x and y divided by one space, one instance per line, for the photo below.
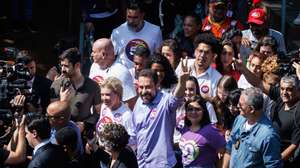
59 115
217 21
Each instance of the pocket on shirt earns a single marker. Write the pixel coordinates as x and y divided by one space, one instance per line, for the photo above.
254 152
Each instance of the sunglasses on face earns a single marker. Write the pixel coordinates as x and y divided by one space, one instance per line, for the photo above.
55 117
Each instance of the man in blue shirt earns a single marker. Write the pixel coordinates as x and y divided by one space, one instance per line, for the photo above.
154 118
253 141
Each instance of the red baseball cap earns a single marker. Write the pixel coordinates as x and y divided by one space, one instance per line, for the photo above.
257 16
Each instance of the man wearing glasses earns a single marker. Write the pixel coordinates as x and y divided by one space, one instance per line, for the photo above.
253 141
59 114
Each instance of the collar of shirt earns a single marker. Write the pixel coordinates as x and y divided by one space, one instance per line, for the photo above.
43 143
207 72
262 120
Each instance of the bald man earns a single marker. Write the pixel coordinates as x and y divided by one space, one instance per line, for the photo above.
105 65
59 115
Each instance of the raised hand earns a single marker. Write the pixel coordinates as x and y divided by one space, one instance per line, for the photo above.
297 67
185 70
238 64
185 73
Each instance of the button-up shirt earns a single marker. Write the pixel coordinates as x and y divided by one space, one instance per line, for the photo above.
257 147
154 125
207 80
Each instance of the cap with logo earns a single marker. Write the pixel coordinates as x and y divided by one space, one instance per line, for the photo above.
257 16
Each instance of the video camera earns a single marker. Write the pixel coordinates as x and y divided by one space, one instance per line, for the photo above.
286 63
13 81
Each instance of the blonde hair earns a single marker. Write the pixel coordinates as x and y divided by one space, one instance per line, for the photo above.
114 84
270 65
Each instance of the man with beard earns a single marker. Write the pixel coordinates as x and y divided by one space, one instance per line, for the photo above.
217 22
81 92
135 32
154 119
39 86
257 20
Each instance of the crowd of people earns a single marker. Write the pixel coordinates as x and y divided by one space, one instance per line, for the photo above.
211 94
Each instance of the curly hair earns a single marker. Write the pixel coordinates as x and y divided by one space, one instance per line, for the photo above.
270 65
258 55
209 39
114 136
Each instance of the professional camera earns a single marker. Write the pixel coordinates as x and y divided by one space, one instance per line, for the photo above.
13 81
286 63
12 78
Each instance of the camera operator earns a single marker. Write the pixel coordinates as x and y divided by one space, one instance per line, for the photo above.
39 86
15 152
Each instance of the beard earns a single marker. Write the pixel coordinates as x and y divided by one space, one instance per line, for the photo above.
132 25
66 74
147 97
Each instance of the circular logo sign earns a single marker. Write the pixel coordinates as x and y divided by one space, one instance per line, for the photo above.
131 46
98 79
204 89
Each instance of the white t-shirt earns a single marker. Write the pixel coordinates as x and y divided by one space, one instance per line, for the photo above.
207 81
122 116
125 41
116 70
243 83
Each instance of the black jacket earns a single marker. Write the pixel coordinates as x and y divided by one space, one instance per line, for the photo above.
41 87
49 156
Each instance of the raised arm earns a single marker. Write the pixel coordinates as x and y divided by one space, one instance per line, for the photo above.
18 155
251 77
180 87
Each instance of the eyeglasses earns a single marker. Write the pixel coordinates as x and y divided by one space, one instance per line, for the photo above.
55 117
